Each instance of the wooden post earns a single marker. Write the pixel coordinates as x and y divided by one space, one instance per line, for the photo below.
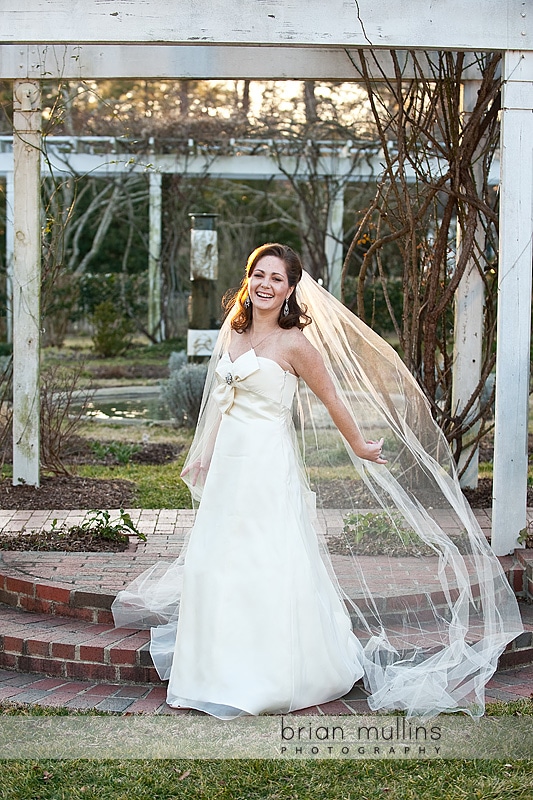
334 240
468 333
514 303
26 280
10 244
202 333
154 258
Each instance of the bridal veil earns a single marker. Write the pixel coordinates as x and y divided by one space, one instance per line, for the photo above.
427 597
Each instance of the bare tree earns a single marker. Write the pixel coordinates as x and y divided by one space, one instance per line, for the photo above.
78 208
426 195
316 179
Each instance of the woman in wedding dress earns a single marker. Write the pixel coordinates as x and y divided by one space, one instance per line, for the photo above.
256 616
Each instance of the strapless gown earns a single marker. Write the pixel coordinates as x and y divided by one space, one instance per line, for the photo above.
262 627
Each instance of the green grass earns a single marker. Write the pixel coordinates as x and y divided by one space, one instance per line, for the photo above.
252 779
157 486
140 352
521 707
106 432
48 779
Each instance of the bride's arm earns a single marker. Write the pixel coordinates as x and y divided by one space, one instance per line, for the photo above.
200 467
307 362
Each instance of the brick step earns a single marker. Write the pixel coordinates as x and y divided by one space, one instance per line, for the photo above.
92 605
23 591
67 647
521 650
56 599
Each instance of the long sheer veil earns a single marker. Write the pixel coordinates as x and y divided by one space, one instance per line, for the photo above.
427 597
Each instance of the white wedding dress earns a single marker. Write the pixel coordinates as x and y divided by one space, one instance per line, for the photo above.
251 617
261 627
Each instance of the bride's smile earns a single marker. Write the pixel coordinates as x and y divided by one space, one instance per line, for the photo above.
268 285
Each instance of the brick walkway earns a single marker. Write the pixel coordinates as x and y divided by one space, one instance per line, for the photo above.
32 689
67 583
165 529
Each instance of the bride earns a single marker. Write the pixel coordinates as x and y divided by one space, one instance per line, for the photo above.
273 607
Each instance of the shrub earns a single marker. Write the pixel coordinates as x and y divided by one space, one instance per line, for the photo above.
121 452
5 364
177 360
113 331
6 407
124 291
182 393
63 406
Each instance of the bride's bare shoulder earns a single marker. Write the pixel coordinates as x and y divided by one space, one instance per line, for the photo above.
295 340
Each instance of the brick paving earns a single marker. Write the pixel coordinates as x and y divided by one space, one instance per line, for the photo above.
32 689
69 595
166 529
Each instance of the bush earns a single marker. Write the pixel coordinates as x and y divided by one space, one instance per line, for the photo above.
113 331
6 408
127 292
63 406
5 363
182 393
177 360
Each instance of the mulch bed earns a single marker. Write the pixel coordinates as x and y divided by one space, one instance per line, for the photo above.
71 540
135 371
72 492
80 451
68 492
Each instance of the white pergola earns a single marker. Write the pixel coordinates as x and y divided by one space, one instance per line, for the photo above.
276 39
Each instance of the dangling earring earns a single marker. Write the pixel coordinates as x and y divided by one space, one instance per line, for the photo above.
286 308
247 303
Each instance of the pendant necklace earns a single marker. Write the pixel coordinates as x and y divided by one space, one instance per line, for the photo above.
255 346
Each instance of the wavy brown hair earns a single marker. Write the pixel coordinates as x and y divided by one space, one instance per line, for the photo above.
235 300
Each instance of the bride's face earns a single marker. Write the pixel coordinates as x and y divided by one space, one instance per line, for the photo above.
268 285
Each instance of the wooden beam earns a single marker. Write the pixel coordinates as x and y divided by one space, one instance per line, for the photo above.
10 246
26 281
468 322
223 62
514 304
334 238
448 24
154 257
263 164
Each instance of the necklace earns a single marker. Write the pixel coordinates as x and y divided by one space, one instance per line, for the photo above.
254 346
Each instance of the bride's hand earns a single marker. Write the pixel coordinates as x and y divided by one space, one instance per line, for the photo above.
196 470
372 452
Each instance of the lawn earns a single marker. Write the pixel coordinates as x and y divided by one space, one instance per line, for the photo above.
158 486
143 363
269 779
272 780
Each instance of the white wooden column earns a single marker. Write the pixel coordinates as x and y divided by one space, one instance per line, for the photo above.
26 280
10 237
514 302
468 333
154 258
334 239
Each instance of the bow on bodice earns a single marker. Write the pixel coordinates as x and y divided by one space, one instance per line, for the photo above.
230 373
